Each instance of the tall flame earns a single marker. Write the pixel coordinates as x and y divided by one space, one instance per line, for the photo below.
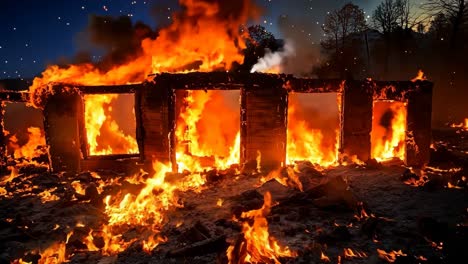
388 130
103 133
204 36
259 246
306 143
201 132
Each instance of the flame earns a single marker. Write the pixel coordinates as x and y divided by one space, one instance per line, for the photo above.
307 143
14 172
349 254
78 187
200 131
259 246
388 130
54 254
463 125
47 196
419 77
390 256
289 179
29 150
147 209
324 258
180 47
103 133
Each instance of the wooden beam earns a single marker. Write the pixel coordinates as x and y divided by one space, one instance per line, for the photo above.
13 96
109 89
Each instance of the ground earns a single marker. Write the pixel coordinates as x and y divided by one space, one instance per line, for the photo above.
358 209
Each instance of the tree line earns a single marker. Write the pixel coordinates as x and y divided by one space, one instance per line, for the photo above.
396 40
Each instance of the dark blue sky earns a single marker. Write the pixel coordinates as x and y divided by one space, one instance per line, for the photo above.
36 33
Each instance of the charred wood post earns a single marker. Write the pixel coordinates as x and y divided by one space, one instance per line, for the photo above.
418 98
61 114
356 119
264 124
157 121
418 138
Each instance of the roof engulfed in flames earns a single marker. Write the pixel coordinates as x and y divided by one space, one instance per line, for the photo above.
205 36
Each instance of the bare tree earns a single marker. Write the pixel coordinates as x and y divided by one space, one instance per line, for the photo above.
404 14
456 12
394 14
342 28
385 16
340 24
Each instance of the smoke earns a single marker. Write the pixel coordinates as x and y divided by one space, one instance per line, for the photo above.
117 38
301 51
306 39
274 60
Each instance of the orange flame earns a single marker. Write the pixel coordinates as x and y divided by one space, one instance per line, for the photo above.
147 209
390 256
324 258
29 150
419 77
463 125
103 133
204 36
290 178
201 132
388 130
349 254
305 143
260 247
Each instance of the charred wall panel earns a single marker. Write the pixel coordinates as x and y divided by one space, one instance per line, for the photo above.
157 121
419 136
61 114
357 119
263 126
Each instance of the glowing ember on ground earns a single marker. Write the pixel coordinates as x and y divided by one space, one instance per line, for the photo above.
390 256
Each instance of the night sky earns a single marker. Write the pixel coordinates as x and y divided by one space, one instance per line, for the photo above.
36 33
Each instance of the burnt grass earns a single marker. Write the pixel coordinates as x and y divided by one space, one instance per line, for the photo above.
362 208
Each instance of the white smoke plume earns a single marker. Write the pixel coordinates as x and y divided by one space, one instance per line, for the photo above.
274 60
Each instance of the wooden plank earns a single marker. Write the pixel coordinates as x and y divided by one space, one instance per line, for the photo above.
62 131
357 119
419 130
13 96
110 89
263 126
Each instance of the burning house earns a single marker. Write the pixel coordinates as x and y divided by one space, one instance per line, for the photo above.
377 120
174 154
